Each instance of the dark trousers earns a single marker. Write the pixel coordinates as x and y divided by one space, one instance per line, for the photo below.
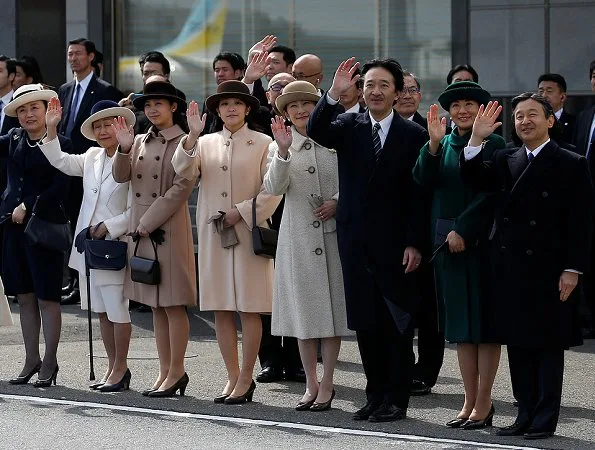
388 358
430 340
589 291
537 376
276 351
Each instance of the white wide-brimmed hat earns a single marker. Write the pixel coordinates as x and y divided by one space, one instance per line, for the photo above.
102 110
25 94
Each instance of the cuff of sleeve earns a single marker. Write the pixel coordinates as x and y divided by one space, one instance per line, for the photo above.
331 101
191 152
280 158
472 152
250 87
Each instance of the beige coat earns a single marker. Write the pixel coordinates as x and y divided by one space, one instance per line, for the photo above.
159 200
309 298
231 170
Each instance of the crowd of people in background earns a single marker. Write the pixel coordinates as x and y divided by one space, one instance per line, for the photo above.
390 220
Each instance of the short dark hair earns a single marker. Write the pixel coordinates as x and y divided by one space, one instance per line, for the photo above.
155 57
591 69
31 68
89 45
390 64
234 59
554 78
547 108
96 61
460 67
11 66
406 73
288 53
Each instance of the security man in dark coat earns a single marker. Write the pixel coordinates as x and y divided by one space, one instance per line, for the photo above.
541 243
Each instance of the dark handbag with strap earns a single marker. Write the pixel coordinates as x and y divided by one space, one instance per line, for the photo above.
53 236
105 255
264 240
145 270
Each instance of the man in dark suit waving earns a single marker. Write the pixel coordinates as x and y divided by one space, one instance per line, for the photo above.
378 229
540 247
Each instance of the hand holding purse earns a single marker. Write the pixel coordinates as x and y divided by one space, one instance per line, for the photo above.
264 240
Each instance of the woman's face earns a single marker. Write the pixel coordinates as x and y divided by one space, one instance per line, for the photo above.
299 111
463 113
104 133
160 112
233 112
21 78
32 116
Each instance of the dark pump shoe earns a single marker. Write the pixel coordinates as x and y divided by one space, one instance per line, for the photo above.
304 406
323 406
269 374
388 413
246 398
534 435
364 413
48 381
122 385
24 379
179 385
420 388
456 423
516 429
477 424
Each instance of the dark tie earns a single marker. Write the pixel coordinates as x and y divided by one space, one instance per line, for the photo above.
590 144
376 140
530 157
73 110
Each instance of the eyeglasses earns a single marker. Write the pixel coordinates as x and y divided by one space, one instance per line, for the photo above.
411 91
277 87
303 76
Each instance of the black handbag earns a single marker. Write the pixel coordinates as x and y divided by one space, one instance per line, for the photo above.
264 240
105 255
53 236
145 270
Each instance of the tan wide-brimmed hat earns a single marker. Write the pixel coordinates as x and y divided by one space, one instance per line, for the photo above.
102 110
25 94
232 89
297 90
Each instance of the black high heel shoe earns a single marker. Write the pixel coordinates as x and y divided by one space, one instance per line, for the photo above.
456 423
323 406
48 381
96 386
220 398
247 397
24 379
476 424
304 406
180 384
123 385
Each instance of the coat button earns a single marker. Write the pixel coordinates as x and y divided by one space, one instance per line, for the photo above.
224 168
138 194
227 143
139 176
544 194
141 157
505 220
224 194
533 223
155 176
95 190
318 251
529 252
162 140
503 248
307 146
21 179
154 195
20 189
18 199
316 223
157 158
311 169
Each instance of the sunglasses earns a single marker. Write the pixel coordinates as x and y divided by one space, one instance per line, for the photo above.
277 87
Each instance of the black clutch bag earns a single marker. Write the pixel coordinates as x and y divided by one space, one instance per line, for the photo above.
53 236
443 227
145 270
264 240
105 255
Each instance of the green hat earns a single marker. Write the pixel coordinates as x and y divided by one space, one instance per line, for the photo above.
463 90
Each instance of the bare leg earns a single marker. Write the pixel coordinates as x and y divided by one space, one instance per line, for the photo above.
107 336
308 354
227 338
467 354
30 326
161 328
488 359
330 353
251 335
179 332
121 338
51 321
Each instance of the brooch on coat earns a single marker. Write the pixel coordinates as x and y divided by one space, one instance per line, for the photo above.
332 150
250 142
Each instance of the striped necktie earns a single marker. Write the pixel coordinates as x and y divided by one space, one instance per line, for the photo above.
376 140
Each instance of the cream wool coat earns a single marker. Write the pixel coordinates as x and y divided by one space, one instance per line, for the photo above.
115 213
159 200
231 170
309 299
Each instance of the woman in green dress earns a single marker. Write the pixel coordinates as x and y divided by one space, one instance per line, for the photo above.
465 217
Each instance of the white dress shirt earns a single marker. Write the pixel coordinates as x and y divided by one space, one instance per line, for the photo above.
559 113
84 84
5 101
353 109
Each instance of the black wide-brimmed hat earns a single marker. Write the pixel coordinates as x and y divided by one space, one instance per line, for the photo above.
463 90
232 89
159 89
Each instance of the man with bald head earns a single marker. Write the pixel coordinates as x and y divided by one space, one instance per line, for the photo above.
308 68
275 89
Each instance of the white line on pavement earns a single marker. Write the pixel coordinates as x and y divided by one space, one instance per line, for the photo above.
269 423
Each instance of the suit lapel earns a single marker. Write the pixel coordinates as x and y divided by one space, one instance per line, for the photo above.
517 163
86 102
542 162
98 166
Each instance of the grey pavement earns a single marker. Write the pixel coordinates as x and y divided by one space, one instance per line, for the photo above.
132 418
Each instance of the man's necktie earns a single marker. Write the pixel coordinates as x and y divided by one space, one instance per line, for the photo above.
376 140
73 110
530 157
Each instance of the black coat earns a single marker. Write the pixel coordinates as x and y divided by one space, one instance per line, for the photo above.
8 124
582 130
420 120
543 226
379 211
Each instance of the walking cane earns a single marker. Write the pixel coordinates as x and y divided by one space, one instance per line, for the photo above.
87 272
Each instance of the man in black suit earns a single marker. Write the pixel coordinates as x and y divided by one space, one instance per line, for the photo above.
540 247
552 86
407 104
77 97
378 228
584 139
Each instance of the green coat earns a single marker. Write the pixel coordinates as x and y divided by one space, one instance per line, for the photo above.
462 300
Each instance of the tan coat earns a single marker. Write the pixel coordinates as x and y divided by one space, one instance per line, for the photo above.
231 170
159 200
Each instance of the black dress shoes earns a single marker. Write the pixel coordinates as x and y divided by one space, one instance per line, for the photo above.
456 423
298 375
387 413
364 413
420 388
269 374
516 429
533 435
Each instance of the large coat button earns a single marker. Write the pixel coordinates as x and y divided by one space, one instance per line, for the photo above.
157 158
155 177
311 169
316 223
505 220
141 157
95 190
307 146
544 194
138 194
224 168
224 194
533 223
139 176
318 251
529 252
227 143
154 195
